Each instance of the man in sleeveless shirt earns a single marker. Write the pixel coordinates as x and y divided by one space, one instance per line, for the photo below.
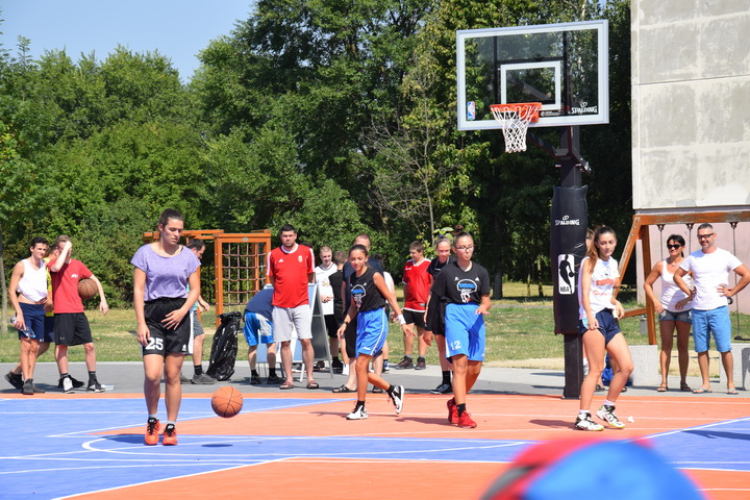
28 295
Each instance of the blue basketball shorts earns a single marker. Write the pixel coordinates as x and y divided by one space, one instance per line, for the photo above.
258 329
464 331
372 331
716 321
33 317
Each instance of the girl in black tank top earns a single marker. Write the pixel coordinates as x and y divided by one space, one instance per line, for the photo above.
369 295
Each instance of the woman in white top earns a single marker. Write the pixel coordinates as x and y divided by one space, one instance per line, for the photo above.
598 327
674 312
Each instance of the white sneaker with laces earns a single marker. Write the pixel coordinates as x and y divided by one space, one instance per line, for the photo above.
607 413
359 413
67 385
586 424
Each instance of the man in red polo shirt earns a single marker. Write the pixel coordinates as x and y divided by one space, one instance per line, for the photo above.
290 268
71 325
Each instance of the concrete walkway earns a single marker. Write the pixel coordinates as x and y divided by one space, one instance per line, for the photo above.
127 378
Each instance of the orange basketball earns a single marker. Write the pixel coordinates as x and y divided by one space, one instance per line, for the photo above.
87 289
226 401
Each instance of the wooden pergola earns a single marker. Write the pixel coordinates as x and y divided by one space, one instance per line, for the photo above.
239 263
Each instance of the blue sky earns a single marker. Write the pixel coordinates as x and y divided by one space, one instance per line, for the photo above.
179 29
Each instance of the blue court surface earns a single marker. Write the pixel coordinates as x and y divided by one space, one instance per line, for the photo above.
53 448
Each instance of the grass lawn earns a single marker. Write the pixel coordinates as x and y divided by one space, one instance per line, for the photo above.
519 333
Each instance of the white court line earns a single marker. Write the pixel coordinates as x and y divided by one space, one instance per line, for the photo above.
163 480
348 454
700 427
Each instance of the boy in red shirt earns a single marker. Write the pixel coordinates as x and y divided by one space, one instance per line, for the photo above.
71 325
417 282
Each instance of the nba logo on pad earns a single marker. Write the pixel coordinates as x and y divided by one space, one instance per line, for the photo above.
471 110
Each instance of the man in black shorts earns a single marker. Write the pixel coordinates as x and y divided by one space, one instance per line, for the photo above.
71 325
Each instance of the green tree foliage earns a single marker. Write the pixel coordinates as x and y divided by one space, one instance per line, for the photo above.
337 117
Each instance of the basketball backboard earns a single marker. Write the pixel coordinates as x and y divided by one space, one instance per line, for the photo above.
563 66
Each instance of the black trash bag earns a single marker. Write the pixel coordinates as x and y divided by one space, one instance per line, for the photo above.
224 347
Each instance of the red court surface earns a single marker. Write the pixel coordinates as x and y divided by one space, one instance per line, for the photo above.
413 455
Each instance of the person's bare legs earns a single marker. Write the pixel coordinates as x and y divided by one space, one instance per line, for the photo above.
666 331
252 355
90 356
198 349
422 345
593 340
172 385
286 360
61 356
43 347
703 364
618 350
460 378
361 368
308 358
683 357
153 365
728 361
271 355
29 348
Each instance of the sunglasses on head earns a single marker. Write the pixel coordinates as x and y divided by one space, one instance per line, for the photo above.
677 245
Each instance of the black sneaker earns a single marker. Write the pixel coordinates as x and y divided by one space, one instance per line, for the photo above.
28 388
444 388
95 386
398 398
16 380
203 379
405 364
337 366
184 379
274 379
77 384
421 364
254 379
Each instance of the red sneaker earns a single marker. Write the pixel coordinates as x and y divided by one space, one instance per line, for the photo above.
452 412
170 435
465 421
152 431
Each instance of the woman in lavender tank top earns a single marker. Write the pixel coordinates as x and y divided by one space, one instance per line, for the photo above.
162 271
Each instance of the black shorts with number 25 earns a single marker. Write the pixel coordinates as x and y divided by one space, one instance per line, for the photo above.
165 341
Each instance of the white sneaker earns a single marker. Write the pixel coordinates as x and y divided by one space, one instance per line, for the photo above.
607 413
67 385
586 424
359 413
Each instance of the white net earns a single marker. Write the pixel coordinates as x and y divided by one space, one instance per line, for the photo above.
514 120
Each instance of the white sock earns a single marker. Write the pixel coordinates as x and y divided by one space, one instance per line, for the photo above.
607 402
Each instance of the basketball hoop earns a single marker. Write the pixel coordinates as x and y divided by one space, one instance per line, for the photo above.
514 119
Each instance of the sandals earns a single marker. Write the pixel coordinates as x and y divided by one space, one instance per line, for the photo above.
312 385
343 389
685 388
702 390
662 388
286 386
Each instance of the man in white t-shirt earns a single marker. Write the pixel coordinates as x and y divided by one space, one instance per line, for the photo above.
710 267
322 277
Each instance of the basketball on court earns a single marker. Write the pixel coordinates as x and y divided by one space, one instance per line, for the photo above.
87 289
226 401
